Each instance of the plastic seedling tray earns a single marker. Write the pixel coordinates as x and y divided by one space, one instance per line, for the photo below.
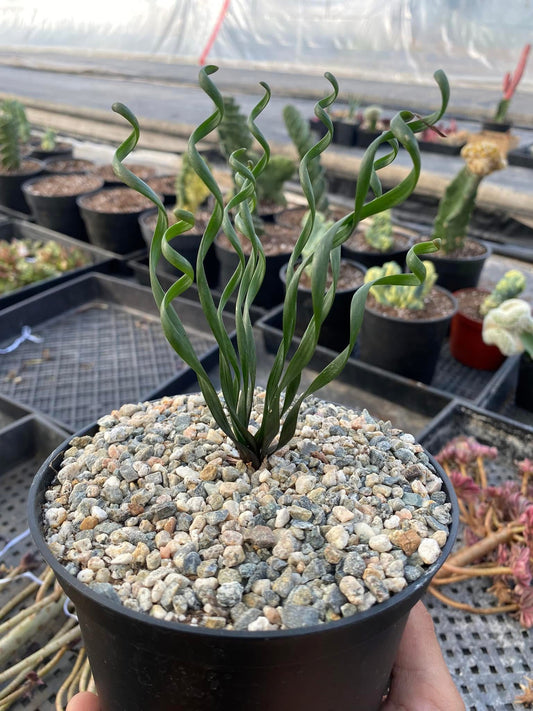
521 156
25 445
102 346
18 229
451 377
386 396
489 656
15 214
500 398
10 412
142 274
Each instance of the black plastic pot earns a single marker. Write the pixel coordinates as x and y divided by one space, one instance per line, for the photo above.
186 244
62 150
334 333
74 165
498 126
271 292
364 137
521 156
141 663
11 194
344 133
117 232
524 386
408 348
58 212
316 126
462 273
376 259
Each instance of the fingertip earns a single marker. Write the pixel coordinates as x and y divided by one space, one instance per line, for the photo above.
85 701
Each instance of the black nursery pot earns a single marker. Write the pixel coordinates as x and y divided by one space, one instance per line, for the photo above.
11 194
376 259
186 244
141 663
344 133
408 348
335 330
498 126
462 273
271 292
59 212
117 232
524 386
62 150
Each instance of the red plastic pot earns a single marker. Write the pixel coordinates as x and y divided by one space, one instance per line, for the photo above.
467 345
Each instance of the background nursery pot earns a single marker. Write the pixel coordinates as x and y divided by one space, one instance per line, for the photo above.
52 199
458 272
409 348
466 344
11 181
140 662
335 329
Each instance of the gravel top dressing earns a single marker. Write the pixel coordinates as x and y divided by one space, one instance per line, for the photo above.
157 511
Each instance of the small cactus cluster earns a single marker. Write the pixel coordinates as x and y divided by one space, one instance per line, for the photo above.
510 285
371 116
23 262
510 327
48 141
191 191
14 131
457 204
379 233
401 297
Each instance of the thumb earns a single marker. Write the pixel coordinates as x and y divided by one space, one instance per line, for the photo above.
84 702
420 678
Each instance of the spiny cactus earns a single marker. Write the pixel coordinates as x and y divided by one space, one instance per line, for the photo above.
379 233
510 285
371 116
233 131
48 141
457 203
510 327
191 190
10 155
270 183
401 297
16 109
300 134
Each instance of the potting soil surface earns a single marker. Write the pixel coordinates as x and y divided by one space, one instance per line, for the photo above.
91 360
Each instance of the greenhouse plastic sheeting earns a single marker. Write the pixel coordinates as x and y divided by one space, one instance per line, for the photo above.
475 41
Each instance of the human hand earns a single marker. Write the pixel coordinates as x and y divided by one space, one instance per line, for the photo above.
84 702
420 678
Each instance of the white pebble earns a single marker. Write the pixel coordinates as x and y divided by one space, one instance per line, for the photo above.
429 550
338 536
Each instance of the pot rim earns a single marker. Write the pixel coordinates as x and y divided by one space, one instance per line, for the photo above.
48 469
303 289
467 289
28 183
436 257
421 321
108 188
39 166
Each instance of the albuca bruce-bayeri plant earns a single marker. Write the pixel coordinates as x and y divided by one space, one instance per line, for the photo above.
231 408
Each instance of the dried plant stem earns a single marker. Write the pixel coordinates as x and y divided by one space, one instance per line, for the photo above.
22 595
14 690
65 686
477 571
85 676
31 610
48 578
469 554
482 473
468 608
50 648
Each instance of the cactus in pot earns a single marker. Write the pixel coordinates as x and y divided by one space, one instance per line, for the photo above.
509 286
401 297
379 233
509 326
371 116
457 204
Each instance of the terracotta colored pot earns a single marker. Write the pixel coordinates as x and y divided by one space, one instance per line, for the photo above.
467 345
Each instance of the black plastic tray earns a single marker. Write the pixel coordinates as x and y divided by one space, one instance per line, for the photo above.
141 271
489 656
102 346
521 156
19 229
25 445
10 412
451 377
384 395
15 214
500 397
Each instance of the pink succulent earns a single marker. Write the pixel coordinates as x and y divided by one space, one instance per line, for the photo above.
510 81
519 562
465 487
526 607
